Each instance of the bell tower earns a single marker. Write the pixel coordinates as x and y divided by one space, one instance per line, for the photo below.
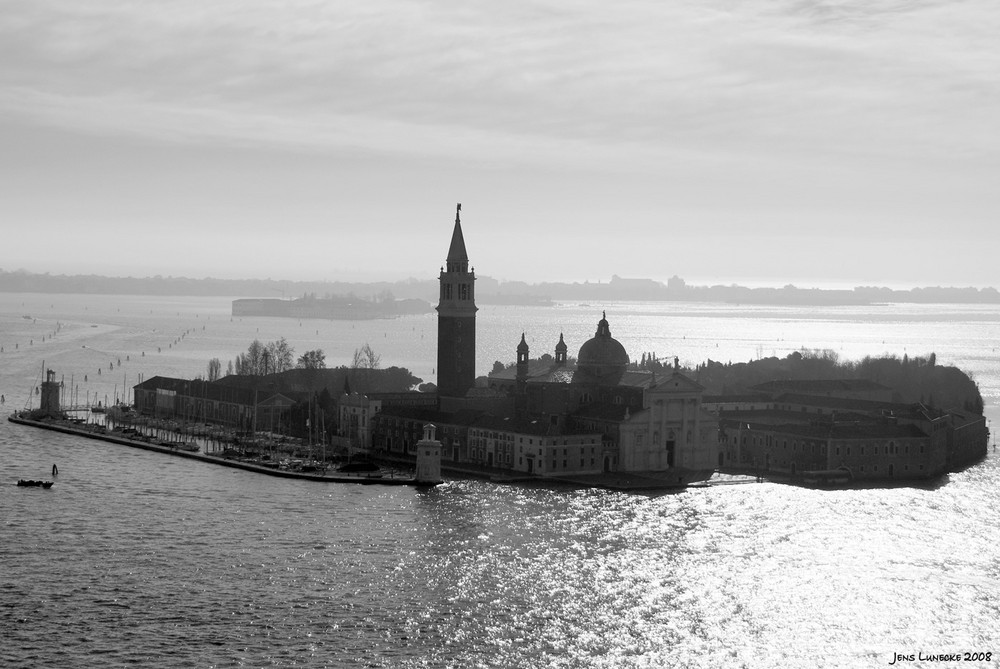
456 359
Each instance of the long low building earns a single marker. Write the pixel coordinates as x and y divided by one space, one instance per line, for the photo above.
478 439
872 440
865 450
211 402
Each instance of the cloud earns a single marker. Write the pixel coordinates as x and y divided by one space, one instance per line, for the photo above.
701 77
690 120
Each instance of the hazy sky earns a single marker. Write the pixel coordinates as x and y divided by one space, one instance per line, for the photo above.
851 142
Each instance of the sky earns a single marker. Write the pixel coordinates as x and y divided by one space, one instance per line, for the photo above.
762 142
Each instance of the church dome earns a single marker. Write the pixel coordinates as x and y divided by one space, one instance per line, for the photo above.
602 358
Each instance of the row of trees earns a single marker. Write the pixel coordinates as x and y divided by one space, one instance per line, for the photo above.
263 359
916 379
277 356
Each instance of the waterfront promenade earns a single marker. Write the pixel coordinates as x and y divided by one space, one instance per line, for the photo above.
609 481
110 437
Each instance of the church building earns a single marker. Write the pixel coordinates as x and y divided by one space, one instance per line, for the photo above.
596 416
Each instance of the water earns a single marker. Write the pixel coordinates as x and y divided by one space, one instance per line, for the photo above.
137 559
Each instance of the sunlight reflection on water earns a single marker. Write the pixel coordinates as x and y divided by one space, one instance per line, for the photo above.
138 559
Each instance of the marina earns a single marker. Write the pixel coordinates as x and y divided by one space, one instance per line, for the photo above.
133 441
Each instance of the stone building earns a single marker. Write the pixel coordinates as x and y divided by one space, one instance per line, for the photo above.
871 440
553 417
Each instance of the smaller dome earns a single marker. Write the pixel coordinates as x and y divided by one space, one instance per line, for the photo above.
561 346
523 346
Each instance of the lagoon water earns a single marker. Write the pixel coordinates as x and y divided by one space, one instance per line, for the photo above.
138 559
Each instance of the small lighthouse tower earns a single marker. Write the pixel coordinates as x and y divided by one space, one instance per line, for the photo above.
429 457
50 396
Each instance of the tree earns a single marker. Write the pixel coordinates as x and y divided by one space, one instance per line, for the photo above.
363 365
214 369
312 360
365 358
282 356
229 368
251 363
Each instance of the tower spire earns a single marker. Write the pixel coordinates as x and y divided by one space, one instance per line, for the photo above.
456 252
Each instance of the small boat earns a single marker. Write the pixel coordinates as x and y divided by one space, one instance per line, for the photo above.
34 484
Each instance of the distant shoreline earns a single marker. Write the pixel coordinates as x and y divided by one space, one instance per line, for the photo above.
491 291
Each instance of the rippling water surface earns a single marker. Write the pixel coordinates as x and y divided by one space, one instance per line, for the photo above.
139 559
